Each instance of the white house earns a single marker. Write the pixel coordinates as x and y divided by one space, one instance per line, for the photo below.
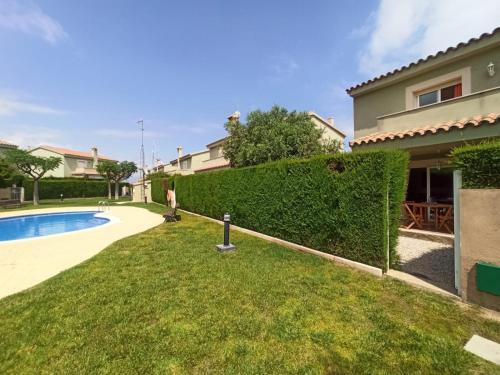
75 163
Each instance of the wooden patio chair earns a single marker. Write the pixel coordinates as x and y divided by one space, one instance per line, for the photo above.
445 219
414 214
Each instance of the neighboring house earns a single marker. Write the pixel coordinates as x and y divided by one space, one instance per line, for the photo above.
5 146
429 107
186 164
213 158
75 163
330 132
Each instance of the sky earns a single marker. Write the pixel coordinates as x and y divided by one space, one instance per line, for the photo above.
79 74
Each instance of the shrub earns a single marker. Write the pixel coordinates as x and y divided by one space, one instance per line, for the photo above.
344 204
480 164
14 180
71 188
157 192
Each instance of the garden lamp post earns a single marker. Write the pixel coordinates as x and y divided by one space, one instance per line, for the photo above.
142 161
226 246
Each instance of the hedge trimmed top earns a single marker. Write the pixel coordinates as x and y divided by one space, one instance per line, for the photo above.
480 165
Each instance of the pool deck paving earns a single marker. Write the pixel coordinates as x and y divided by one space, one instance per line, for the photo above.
25 263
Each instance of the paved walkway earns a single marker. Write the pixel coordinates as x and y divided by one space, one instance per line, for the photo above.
26 263
430 261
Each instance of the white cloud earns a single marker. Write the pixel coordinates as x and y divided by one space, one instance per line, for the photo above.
30 136
281 67
285 67
11 106
404 31
26 17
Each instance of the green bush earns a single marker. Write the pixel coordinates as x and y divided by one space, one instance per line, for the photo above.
344 204
480 165
157 192
14 180
71 188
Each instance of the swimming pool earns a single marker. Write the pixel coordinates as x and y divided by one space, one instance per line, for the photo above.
39 225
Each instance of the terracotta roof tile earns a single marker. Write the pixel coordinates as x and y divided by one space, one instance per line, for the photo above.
67 151
428 58
474 121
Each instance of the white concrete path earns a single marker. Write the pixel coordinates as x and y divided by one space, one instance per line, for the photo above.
25 263
484 348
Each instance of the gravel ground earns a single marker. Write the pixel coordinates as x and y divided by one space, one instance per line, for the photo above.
431 261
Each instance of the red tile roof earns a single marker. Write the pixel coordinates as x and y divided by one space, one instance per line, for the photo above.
428 58
475 121
68 152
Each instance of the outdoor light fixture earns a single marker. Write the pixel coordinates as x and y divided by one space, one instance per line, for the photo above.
491 69
226 246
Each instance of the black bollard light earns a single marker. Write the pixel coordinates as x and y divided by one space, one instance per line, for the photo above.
62 198
226 246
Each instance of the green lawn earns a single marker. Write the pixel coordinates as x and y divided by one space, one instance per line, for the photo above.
166 302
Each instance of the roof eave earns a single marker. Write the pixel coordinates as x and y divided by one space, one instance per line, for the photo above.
214 143
474 45
326 123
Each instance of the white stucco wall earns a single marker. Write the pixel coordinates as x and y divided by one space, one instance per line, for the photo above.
328 132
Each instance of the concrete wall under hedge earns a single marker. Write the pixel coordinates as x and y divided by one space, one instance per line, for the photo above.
344 204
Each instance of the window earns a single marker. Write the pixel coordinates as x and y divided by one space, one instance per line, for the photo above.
439 95
81 163
215 152
186 164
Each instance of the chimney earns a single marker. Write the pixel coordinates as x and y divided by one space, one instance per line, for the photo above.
330 121
179 155
95 158
235 116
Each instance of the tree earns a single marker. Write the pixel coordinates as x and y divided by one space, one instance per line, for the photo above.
6 170
108 170
123 171
330 146
273 135
32 166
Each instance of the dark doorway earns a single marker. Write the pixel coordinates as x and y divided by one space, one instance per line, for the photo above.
417 185
430 185
441 185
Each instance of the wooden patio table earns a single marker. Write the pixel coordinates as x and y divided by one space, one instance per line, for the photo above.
441 213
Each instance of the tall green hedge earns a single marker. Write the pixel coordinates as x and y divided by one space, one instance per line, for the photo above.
344 204
70 188
157 192
480 165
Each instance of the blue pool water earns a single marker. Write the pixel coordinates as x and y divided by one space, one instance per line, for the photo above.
29 226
